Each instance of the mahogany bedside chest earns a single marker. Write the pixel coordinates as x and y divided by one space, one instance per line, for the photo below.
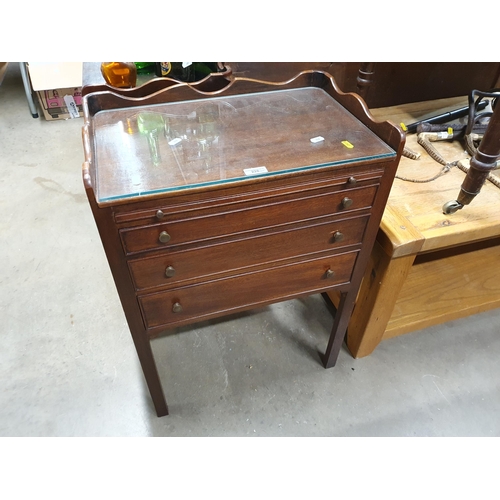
210 202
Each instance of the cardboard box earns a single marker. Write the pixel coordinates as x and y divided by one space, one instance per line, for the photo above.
58 87
61 104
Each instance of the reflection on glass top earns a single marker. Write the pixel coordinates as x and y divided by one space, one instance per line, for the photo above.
172 146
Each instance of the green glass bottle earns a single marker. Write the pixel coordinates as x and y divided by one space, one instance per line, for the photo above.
145 68
187 71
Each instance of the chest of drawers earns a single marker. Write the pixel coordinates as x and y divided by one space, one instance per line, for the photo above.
209 203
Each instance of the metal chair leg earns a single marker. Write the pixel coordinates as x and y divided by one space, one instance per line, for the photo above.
28 89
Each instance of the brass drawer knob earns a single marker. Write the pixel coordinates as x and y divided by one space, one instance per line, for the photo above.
169 272
164 237
177 308
337 236
330 274
346 202
352 181
160 214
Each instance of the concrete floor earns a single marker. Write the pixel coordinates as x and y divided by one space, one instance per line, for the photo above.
68 366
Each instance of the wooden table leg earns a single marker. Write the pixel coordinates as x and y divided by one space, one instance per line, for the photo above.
344 310
126 291
365 78
145 354
377 297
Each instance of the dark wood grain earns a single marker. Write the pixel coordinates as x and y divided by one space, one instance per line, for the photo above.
272 214
215 259
246 290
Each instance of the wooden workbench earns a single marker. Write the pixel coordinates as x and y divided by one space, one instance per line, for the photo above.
426 267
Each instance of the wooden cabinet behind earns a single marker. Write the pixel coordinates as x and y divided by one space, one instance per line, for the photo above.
393 82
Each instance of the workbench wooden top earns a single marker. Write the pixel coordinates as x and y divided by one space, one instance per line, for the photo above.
413 220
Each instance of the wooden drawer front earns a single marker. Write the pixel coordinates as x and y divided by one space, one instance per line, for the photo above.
197 263
233 199
196 302
198 229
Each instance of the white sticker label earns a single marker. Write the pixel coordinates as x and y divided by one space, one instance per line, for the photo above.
71 105
317 139
255 171
444 135
175 141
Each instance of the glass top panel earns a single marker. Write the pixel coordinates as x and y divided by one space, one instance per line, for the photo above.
172 146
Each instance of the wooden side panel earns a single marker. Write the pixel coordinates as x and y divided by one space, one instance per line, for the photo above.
447 287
